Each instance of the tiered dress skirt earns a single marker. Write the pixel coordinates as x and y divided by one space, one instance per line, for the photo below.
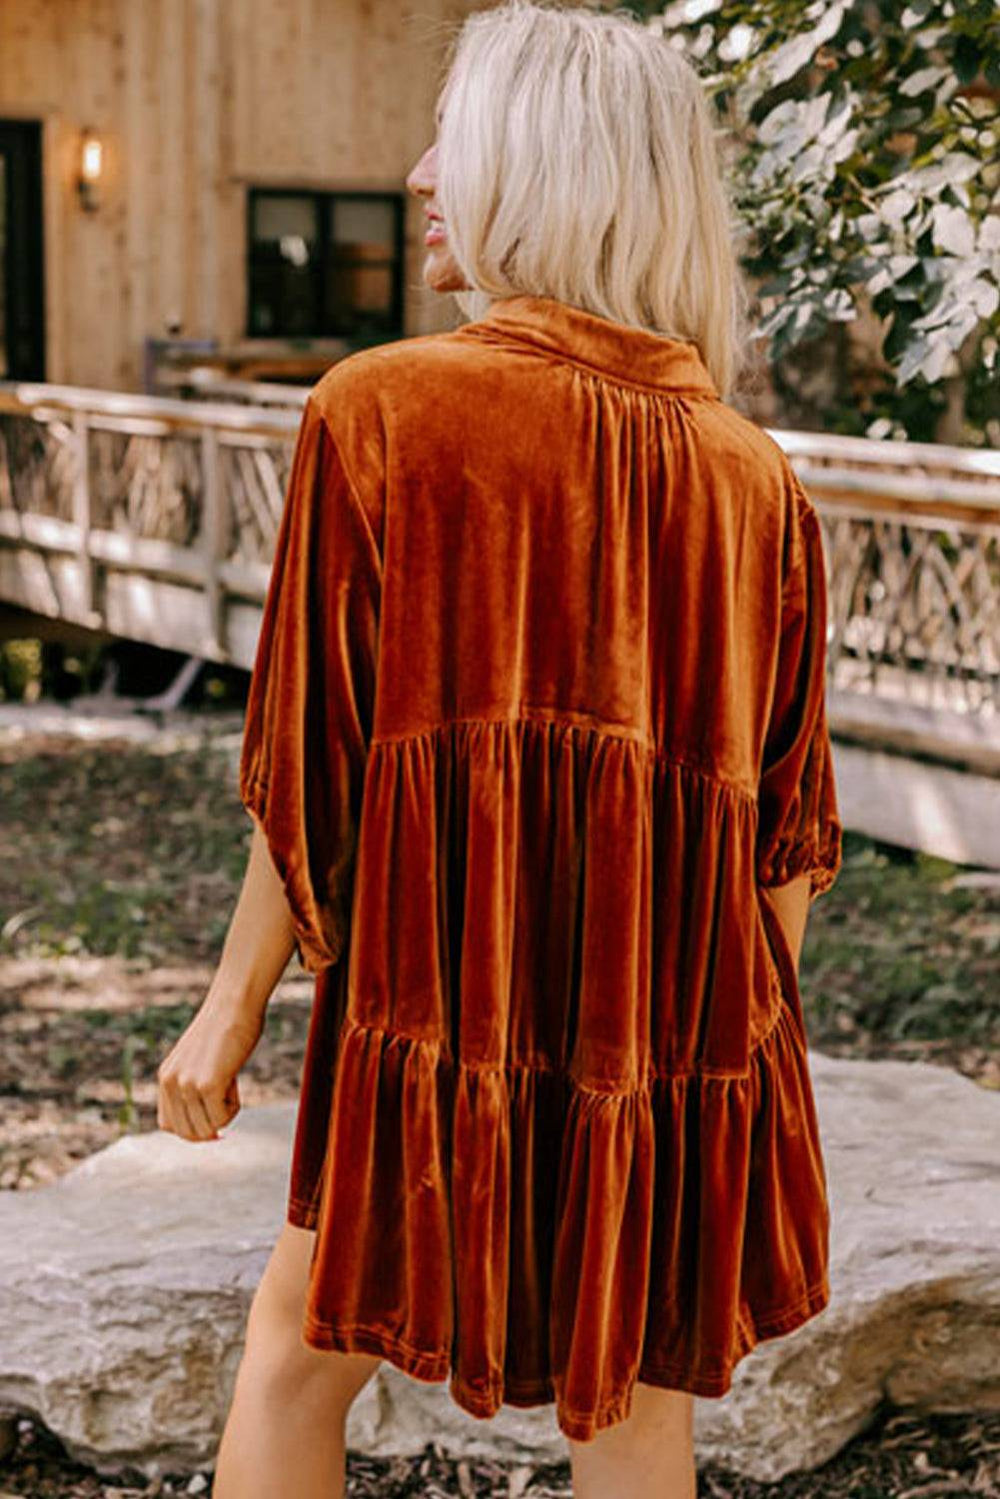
556 1131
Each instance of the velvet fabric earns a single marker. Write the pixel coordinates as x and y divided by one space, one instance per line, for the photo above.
537 709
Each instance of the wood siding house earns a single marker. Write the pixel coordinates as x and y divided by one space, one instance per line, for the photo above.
251 158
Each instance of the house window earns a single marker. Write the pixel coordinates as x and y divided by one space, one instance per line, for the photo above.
325 264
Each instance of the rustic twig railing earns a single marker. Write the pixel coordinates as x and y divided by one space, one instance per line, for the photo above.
142 516
155 519
912 541
912 533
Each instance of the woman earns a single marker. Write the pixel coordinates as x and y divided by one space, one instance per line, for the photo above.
537 757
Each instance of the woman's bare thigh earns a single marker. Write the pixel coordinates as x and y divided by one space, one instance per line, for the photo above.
274 1325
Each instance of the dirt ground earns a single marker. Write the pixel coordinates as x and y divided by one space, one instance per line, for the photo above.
120 862
901 1456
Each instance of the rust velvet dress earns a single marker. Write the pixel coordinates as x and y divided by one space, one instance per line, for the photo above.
537 707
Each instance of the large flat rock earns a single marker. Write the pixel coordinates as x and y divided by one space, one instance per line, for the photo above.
124 1288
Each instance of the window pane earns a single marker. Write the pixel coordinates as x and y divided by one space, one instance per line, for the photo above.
363 222
360 265
275 216
283 261
359 294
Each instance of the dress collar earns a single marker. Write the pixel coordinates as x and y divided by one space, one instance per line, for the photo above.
633 355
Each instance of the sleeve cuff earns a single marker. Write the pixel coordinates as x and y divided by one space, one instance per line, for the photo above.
819 855
317 941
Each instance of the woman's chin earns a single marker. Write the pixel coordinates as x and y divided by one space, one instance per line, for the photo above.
441 273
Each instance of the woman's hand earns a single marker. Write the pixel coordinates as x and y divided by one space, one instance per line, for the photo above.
198 1090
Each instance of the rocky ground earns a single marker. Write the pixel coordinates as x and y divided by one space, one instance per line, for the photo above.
901 1456
121 851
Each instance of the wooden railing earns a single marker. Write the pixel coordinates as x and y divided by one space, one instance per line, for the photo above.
142 516
155 519
912 543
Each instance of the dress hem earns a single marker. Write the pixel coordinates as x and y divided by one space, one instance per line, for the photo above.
578 1426
302 1214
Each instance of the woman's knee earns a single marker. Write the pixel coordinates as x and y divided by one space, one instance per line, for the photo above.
274 1344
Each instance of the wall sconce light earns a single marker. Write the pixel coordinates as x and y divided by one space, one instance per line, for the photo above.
91 162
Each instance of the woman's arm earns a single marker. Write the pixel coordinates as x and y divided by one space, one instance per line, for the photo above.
198 1091
790 903
260 939
307 726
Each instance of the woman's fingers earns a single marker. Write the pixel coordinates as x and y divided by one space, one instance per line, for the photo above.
220 1104
198 1091
172 1111
197 1112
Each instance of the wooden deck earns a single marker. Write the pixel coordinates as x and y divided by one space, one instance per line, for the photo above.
141 516
154 519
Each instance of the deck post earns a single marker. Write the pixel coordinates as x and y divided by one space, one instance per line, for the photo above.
214 520
83 520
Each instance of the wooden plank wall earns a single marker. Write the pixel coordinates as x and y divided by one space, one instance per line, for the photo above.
196 99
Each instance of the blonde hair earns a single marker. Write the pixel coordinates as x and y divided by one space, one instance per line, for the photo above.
577 159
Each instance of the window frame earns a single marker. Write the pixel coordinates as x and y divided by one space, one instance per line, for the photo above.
325 200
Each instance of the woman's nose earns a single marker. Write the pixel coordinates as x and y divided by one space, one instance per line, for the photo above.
421 178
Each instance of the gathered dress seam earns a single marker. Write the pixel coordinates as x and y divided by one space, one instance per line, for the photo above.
782 1013
655 751
601 373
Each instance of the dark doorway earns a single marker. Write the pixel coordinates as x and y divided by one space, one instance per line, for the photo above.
22 280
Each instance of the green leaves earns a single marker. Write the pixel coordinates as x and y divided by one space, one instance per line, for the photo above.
789 58
868 166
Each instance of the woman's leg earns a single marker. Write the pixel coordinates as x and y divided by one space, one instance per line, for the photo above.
285 1430
648 1456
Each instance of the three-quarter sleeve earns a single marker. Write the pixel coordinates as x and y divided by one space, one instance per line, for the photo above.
311 697
799 829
